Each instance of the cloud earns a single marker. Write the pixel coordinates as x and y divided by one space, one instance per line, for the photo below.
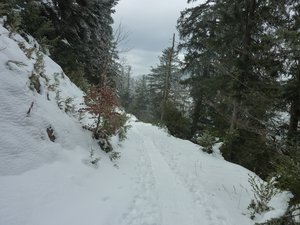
150 24
141 60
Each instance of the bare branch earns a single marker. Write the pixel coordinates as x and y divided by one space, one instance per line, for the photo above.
121 37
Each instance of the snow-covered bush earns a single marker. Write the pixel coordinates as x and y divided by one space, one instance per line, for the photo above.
163 127
34 83
51 133
38 71
263 193
115 124
65 104
291 217
93 160
288 170
122 132
206 140
114 156
12 18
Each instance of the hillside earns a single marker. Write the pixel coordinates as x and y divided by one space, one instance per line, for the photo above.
158 180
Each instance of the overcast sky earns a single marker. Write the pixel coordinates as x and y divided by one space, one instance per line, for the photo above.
150 24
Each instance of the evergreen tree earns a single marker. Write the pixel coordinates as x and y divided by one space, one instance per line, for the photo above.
86 26
233 66
140 103
168 102
124 86
78 34
163 81
290 36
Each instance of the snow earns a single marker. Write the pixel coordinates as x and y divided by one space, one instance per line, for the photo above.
159 179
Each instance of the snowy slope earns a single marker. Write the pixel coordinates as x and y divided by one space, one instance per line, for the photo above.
159 179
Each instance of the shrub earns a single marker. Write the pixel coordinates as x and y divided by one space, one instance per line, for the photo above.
249 150
115 125
101 102
39 65
291 217
69 107
263 193
65 104
13 18
114 156
93 160
34 83
104 143
178 125
58 100
51 134
123 128
38 70
288 170
28 51
206 140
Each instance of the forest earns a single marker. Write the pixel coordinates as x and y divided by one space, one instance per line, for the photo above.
231 76
239 82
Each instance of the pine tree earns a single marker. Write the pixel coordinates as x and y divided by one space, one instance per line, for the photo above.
290 36
140 103
124 86
168 76
168 104
78 34
86 25
233 66
163 81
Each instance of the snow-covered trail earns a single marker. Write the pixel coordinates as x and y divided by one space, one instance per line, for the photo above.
175 203
174 200
160 180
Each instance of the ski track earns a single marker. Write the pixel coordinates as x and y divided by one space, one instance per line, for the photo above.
205 205
163 196
144 209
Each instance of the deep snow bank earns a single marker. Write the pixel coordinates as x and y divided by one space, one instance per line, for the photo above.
24 140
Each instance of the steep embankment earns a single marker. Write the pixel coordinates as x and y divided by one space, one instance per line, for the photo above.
159 179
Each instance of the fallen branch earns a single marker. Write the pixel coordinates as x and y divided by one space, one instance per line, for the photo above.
30 108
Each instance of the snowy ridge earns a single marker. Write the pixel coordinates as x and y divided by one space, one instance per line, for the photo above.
160 180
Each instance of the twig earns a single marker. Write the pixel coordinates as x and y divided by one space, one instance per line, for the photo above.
30 108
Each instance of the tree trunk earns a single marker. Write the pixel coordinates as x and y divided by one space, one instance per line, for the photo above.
295 112
98 124
234 115
167 80
244 73
196 114
294 120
